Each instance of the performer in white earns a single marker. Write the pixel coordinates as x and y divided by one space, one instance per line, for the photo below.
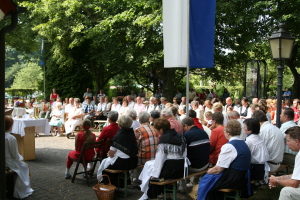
14 161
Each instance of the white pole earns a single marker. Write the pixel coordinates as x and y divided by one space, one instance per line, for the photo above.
42 52
188 60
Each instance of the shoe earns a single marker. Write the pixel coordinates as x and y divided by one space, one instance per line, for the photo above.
190 184
68 176
58 135
181 189
68 135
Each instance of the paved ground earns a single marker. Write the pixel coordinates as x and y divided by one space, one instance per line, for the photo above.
48 171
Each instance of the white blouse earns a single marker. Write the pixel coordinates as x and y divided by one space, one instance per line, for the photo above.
258 148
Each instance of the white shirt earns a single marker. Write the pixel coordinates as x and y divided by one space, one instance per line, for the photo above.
296 172
274 141
119 153
228 154
259 151
68 107
123 110
131 104
152 107
115 107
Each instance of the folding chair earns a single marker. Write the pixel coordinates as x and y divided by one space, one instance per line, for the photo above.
86 145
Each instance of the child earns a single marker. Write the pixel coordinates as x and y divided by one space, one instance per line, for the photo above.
208 118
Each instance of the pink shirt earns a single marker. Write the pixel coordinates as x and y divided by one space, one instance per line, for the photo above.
139 108
176 125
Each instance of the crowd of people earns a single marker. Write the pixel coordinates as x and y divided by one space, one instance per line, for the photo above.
237 139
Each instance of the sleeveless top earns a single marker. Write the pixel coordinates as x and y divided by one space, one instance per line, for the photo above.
243 159
244 114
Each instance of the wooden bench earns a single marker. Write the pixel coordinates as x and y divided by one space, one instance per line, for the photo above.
173 182
227 194
122 174
286 167
10 177
100 122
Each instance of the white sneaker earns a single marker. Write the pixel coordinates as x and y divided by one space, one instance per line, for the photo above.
190 184
58 135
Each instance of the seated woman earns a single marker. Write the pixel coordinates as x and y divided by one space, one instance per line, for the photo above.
258 149
75 117
169 159
85 136
14 161
232 166
57 119
123 151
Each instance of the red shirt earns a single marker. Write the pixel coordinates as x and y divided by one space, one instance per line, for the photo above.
296 116
107 133
217 140
197 123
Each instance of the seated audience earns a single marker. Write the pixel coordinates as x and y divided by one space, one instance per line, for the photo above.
197 141
57 119
181 112
124 108
132 113
44 108
169 159
88 109
154 114
273 139
258 149
231 168
14 161
290 183
85 136
217 137
167 113
122 153
75 117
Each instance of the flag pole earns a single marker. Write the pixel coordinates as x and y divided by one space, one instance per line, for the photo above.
188 60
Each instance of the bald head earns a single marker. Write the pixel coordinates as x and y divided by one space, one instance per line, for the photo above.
229 101
255 100
233 115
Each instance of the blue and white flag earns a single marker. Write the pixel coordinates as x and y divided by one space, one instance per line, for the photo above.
199 26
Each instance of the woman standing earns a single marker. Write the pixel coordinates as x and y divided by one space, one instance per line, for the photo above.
123 151
14 161
85 136
57 119
53 96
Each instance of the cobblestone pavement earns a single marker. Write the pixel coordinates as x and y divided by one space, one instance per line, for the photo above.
48 169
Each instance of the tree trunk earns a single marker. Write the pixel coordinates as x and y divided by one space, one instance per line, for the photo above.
168 76
292 65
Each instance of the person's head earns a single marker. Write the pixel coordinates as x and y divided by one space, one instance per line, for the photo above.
244 101
218 118
233 128
67 100
115 100
125 122
86 124
45 100
287 114
182 109
128 97
195 104
218 107
208 115
257 106
296 103
286 89
255 100
260 116
144 117
162 125
168 105
229 101
58 105
233 115
166 113
106 99
8 124
125 102
293 138
58 100
101 92
132 91
251 125
192 114
142 89
163 100
187 123
207 103
183 99
138 100
174 110
54 90
88 89
132 113
152 100
154 114
175 100
113 116
101 99
77 102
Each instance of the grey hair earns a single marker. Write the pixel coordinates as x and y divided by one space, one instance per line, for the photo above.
194 103
144 117
77 100
188 121
58 104
167 112
113 115
234 114
125 121
132 113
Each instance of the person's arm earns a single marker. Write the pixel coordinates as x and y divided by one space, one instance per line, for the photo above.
283 181
215 170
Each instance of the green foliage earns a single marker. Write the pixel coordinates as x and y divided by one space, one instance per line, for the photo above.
29 77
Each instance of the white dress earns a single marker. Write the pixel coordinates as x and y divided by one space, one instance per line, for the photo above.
14 161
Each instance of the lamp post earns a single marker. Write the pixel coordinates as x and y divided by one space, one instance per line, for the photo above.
281 44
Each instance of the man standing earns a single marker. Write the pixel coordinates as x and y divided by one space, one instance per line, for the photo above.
87 93
273 138
287 120
291 182
287 94
197 141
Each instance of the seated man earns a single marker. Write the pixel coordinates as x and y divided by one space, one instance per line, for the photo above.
88 109
291 182
197 141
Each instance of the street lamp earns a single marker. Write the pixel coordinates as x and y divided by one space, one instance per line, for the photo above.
281 44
